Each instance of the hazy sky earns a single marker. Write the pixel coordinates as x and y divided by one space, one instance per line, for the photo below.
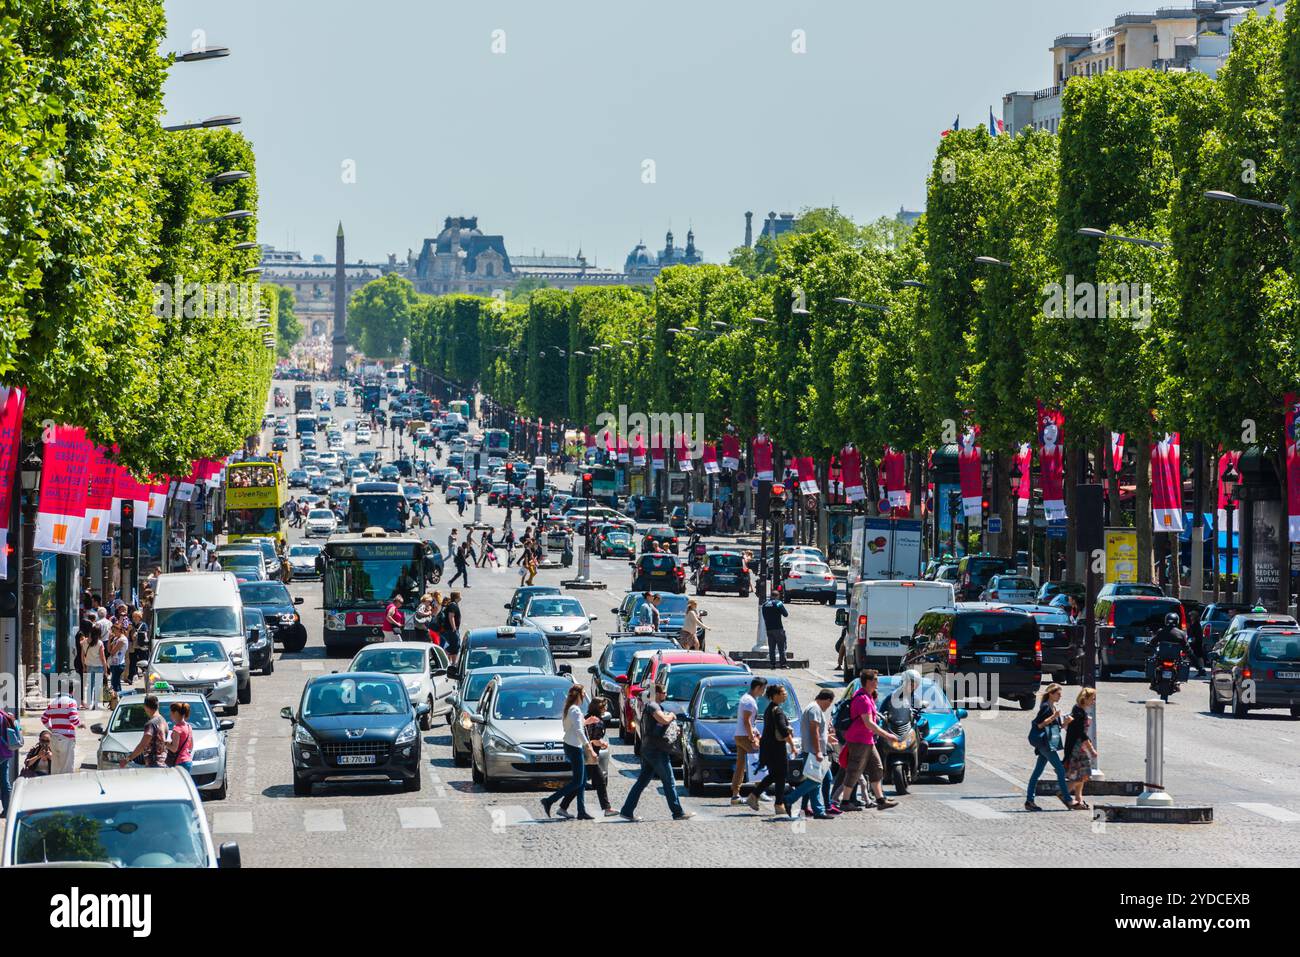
546 142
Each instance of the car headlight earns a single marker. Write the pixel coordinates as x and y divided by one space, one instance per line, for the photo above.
228 676
207 754
610 687
408 734
951 734
335 621
112 757
709 746
302 736
496 743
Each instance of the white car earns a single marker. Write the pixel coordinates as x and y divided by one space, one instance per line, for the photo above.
126 727
563 621
808 579
453 490
302 560
1012 589
420 665
363 435
321 521
197 665
140 817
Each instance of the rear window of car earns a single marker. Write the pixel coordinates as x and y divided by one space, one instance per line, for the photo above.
1278 648
986 629
719 562
1227 612
980 570
658 563
1143 613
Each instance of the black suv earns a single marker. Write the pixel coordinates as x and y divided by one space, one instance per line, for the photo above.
974 572
1125 624
1257 668
723 571
979 651
277 607
658 572
645 508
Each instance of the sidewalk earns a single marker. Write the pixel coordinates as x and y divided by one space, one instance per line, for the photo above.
87 741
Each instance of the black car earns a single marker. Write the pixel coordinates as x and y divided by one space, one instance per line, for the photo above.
974 572
1050 590
663 534
658 572
677 519
355 723
277 605
682 680
404 467
979 651
280 444
723 571
1257 668
1062 641
258 641
645 508
613 665
1125 624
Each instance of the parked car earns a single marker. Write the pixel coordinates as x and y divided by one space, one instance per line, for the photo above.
125 727
1257 668
354 723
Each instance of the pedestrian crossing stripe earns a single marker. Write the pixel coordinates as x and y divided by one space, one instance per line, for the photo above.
981 812
1272 811
424 818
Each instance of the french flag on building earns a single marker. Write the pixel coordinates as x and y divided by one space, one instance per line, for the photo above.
995 125
956 125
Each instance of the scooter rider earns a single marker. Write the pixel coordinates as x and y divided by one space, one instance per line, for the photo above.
1167 634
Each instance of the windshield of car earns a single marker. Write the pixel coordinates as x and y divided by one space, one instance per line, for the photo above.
620 654
1014 584
393 661
723 561
658 563
929 696
321 513
550 607
189 652
1227 612
338 696
808 569
474 686
980 570
1277 647
1135 588
1143 614
121 833
180 622
132 717
722 702
265 593
304 551
240 559
530 701
505 656
682 682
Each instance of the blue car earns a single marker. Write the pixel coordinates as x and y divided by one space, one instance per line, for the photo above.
708 741
943 752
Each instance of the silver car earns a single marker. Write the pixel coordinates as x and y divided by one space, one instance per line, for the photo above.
519 730
126 727
422 667
563 621
198 665
464 705
302 560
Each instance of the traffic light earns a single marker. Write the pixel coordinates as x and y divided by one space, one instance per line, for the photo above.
586 485
984 506
954 503
510 473
777 504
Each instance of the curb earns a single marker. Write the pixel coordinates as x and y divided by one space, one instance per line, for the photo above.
1138 814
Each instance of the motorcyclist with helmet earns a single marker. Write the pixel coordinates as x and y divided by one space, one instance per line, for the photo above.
1169 639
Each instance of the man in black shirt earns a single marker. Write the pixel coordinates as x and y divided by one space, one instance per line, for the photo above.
774 611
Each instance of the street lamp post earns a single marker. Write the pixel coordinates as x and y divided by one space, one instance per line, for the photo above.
1231 477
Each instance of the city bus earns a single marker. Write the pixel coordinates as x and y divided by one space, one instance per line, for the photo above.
361 573
301 398
497 443
305 423
395 381
460 407
255 496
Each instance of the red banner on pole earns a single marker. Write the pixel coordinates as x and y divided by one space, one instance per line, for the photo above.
638 449
12 400
709 456
1051 461
1025 462
99 498
762 458
682 453
851 474
62 508
1292 417
730 452
807 474
970 472
1166 484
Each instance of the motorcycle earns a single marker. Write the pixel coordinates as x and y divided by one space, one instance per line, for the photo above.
1167 668
902 758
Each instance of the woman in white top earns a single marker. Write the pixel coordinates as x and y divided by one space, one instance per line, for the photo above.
575 749
688 637
96 663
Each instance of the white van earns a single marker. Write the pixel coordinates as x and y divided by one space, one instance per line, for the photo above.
880 618
207 604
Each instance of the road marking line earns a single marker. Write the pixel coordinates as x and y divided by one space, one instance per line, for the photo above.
981 812
233 822
512 814
819 677
419 817
1271 811
330 819
1021 785
313 666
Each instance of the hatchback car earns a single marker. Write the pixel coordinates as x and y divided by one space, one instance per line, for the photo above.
658 572
125 728
518 730
1009 588
563 621
612 541
723 571
1125 624
197 665
355 724
322 523
422 668
515 606
811 580
302 561
663 534
672 612
1251 619
708 740
1257 668
464 706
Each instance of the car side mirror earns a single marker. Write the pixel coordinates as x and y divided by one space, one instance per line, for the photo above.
97 729
962 713
453 671
228 856
704 614
422 709
841 616
225 724
613 611
564 670
287 713
506 606
299 600
620 679
437 672
592 617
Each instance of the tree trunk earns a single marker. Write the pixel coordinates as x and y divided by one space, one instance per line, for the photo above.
1142 511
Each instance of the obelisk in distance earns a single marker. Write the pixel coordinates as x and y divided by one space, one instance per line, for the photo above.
339 358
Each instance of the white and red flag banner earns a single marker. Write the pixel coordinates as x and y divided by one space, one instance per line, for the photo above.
62 509
730 452
1166 484
1025 460
682 453
970 472
709 457
851 474
1117 452
895 469
656 452
623 455
762 457
1051 461
12 400
638 449
158 496
1227 459
807 472
99 498
1292 421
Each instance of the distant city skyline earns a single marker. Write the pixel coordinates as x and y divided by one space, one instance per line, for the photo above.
547 142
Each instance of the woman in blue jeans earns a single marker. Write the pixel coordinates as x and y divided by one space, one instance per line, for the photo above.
575 749
1046 738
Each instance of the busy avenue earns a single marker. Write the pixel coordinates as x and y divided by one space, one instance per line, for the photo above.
1245 769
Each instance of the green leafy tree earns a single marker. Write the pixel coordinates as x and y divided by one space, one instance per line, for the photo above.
379 316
